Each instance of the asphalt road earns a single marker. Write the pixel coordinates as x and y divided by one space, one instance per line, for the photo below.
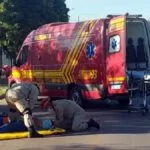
120 130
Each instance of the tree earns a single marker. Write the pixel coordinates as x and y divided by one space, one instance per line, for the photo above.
19 17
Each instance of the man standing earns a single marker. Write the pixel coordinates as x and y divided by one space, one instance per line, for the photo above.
71 116
21 98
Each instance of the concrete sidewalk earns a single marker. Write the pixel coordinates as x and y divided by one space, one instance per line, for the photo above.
81 142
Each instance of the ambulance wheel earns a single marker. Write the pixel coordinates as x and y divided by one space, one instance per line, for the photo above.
75 95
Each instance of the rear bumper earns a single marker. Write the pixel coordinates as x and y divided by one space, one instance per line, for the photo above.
91 95
93 91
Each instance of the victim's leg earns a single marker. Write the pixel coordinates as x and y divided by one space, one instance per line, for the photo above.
79 123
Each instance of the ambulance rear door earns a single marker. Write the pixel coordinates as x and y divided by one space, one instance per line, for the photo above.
115 55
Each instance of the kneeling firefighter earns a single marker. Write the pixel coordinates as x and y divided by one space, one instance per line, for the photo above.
70 116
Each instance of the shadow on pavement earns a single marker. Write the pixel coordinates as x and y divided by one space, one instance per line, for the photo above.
84 147
95 147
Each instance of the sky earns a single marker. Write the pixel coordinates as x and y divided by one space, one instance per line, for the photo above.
81 10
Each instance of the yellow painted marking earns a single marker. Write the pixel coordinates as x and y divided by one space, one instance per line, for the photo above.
88 74
16 74
42 37
117 24
65 71
116 20
77 50
72 53
69 52
116 27
73 60
110 79
35 73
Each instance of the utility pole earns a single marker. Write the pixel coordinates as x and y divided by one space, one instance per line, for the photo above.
78 18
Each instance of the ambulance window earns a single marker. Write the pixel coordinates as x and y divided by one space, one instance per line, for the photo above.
23 55
114 44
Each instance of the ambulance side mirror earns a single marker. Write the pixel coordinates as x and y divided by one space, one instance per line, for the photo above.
6 71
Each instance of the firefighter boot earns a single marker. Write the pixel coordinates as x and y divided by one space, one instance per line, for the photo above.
33 133
93 123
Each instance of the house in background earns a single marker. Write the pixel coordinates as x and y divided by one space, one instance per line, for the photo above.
5 59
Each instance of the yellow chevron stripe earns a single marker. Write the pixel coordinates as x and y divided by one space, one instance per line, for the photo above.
79 50
93 23
72 52
76 51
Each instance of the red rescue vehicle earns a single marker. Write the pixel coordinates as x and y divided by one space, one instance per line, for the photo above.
84 60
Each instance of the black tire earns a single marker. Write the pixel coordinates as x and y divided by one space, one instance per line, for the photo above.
75 95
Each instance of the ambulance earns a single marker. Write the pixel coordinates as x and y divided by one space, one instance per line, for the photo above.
84 60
